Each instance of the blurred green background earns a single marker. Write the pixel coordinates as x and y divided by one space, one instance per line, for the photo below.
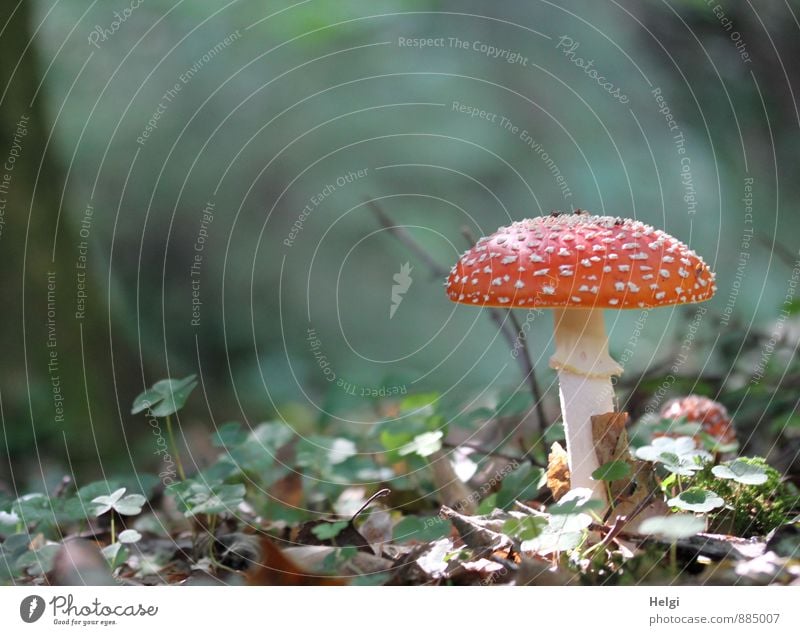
222 125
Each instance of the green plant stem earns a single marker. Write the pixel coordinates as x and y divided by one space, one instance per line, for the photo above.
174 447
113 529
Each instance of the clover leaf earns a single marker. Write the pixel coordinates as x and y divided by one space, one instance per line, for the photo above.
697 499
129 536
741 472
423 444
679 456
129 505
165 397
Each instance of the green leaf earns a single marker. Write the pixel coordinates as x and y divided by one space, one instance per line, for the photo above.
40 561
612 471
522 484
115 554
562 533
526 528
422 403
200 498
33 508
328 531
416 529
129 505
697 499
576 501
129 536
741 472
672 528
678 453
165 397
228 435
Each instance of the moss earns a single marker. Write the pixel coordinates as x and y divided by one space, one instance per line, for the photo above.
751 510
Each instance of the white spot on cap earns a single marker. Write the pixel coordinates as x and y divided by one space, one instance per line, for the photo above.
541 272
664 273
508 260
536 258
564 252
497 282
519 284
548 290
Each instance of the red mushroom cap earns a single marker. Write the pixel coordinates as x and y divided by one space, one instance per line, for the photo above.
710 414
580 261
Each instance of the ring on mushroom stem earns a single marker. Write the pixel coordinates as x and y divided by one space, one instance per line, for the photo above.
580 264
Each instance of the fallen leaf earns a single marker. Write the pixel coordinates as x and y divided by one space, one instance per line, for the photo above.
637 495
277 569
558 476
433 560
377 530
474 534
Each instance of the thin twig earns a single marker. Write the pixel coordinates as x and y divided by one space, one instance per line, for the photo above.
511 330
487 452
782 252
405 237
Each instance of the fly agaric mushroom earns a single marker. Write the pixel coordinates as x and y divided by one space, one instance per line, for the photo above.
579 264
711 415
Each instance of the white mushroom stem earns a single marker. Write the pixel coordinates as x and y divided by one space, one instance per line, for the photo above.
584 370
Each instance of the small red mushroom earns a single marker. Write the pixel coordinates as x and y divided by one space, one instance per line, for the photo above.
579 264
710 414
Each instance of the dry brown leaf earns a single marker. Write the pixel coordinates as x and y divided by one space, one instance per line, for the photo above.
558 477
630 494
610 437
275 569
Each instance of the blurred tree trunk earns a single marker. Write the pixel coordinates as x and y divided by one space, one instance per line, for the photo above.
44 397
